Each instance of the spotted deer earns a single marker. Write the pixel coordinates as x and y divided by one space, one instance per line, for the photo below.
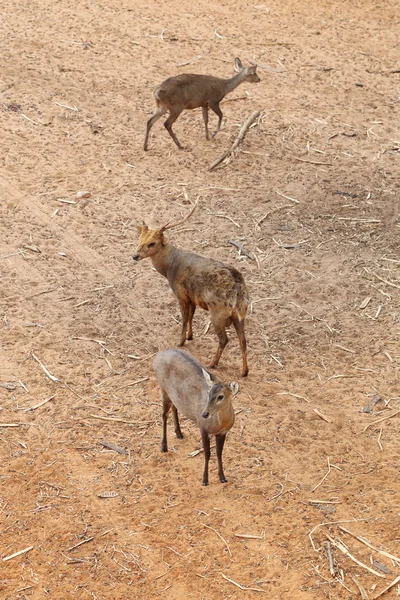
198 281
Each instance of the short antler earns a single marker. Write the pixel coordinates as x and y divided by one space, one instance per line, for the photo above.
170 225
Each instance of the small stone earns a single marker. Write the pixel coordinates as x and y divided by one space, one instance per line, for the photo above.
82 194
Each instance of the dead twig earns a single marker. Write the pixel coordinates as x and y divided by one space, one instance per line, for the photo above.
270 212
220 536
40 403
344 551
380 420
241 248
49 375
80 544
18 553
322 416
364 595
367 543
330 559
117 420
242 132
242 587
114 447
387 588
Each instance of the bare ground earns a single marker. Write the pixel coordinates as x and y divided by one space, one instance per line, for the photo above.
323 330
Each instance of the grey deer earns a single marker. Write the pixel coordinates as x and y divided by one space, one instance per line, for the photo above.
198 281
188 91
197 394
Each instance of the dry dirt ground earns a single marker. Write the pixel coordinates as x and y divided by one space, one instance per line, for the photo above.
321 169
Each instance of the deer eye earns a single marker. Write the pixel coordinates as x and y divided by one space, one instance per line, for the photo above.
220 397
151 245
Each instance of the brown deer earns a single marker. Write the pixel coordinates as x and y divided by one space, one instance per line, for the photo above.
188 91
199 281
188 387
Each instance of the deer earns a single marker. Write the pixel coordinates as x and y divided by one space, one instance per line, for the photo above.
188 91
199 395
199 281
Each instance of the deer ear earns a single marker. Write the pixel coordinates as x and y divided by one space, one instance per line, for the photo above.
238 64
207 377
234 387
253 69
142 228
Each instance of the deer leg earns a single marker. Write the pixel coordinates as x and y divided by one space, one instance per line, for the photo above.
207 453
178 431
223 340
192 308
219 442
185 311
239 326
160 112
205 118
166 407
173 115
215 108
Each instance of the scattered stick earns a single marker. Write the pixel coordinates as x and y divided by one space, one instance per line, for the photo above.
242 132
248 536
322 416
241 248
270 212
363 593
13 254
312 162
12 424
18 553
380 420
49 375
385 281
379 440
80 544
224 217
324 477
330 559
74 108
367 543
386 589
189 62
344 550
345 349
132 383
114 447
287 197
40 403
242 587
294 395
220 536
117 420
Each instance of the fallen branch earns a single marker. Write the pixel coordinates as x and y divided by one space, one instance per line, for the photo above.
367 543
242 587
242 132
344 550
40 403
17 553
381 419
241 248
220 536
387 588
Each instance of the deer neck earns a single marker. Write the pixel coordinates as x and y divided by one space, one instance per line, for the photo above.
163 260
226 418
234 81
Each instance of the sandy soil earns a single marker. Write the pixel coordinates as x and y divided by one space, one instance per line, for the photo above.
323 329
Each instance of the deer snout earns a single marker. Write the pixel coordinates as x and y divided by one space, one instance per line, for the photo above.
136 257
205 415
